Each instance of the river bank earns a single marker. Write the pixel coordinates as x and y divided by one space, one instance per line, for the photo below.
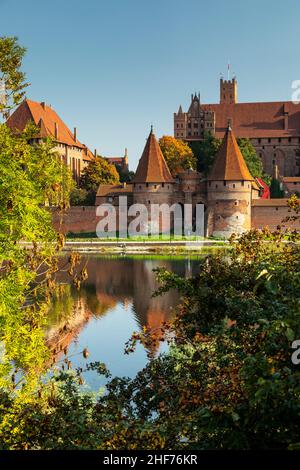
143 247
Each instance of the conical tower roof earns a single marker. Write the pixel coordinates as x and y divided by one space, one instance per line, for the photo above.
229 163
152 167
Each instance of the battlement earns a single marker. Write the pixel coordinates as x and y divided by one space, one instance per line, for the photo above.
228 91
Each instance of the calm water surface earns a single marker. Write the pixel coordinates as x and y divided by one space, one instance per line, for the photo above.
115 301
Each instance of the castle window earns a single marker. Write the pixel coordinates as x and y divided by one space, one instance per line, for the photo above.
149 202
181 125
177 126
279 139
195 124
237 216
189 134
233 185
147 184
236 203
277 208
163 185
224 182
269 140
290 140
243 183
216 185
259 141
155 186
189 125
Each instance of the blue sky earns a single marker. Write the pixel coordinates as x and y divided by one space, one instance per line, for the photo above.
113 67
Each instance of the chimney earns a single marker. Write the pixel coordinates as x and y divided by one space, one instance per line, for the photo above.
286 117
95 153
43 104
56 130
275 171
75 134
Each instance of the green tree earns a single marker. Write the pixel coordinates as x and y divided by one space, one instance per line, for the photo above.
275 189
81 197
227 382
97 172
124 176
205 151
177 154
30 175
253 161
12 78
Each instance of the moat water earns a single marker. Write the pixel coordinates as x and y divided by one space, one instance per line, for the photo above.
115 301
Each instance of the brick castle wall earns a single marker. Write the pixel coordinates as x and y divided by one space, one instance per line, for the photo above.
272 215
77 219
83 219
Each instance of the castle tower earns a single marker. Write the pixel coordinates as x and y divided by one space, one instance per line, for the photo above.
229 191
228 91
153 182
180 122
125 161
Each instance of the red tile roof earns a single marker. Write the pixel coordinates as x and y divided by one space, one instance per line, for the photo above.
152 167
111 189
44 117
291 179
229 163
257 120
265 187
115 159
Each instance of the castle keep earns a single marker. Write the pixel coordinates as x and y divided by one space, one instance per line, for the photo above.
272 127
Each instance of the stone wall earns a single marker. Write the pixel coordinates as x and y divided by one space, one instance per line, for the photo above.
77 219
270 213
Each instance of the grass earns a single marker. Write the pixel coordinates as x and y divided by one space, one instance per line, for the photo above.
91 236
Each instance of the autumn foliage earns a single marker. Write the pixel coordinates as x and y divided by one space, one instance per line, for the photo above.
177 154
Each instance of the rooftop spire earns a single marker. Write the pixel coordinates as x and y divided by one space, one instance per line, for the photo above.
229 163
152 167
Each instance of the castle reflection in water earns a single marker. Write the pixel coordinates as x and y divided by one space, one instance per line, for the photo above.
111 281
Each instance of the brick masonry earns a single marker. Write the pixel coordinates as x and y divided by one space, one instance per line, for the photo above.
83 219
